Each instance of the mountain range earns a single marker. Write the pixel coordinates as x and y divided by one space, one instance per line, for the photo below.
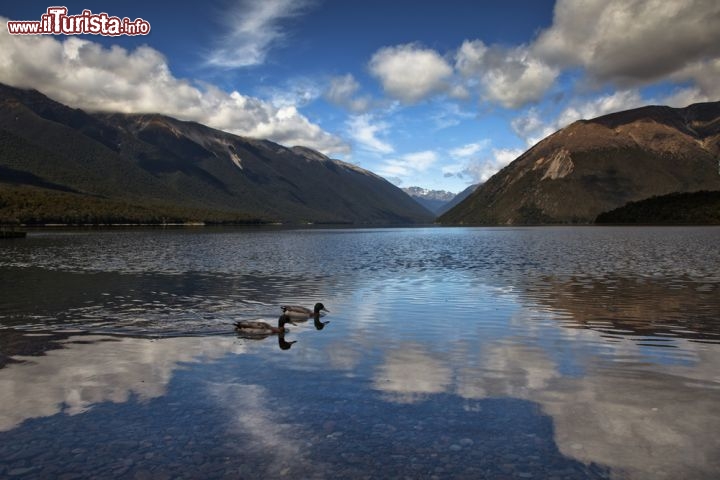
433 200
593 166
64 165
59 164
438 201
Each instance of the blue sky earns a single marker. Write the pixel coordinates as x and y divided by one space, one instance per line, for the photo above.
437 94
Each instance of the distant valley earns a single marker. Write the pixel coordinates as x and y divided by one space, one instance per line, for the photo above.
438 201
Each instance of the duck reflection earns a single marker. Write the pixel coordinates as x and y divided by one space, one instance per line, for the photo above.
262 329
284 344
318 324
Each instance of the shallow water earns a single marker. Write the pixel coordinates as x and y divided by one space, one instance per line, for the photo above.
450 353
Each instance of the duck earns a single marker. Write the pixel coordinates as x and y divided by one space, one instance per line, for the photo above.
302 313
255 327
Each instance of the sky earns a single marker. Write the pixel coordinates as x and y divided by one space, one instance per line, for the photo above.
435 94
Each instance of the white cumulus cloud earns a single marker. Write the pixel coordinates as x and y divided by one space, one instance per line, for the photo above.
511 77
83 74
410 73
631 42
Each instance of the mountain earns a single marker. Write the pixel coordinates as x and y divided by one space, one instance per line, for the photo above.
458 198
63 164
696 208
438 201
433 200
593 166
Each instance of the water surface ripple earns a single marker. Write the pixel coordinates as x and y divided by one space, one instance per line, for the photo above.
450 353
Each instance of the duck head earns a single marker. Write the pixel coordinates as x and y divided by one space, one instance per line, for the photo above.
319 307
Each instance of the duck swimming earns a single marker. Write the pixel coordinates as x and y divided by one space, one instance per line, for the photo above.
254 327
302 313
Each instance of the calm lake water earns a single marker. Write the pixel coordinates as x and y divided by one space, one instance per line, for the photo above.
547 353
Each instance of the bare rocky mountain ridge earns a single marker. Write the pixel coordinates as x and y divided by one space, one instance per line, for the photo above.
593 166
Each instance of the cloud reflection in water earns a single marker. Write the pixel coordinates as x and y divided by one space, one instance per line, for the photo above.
89 370
635 419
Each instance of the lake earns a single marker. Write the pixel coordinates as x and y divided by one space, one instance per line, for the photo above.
547 353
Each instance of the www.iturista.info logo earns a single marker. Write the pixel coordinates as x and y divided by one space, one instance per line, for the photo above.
57 22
